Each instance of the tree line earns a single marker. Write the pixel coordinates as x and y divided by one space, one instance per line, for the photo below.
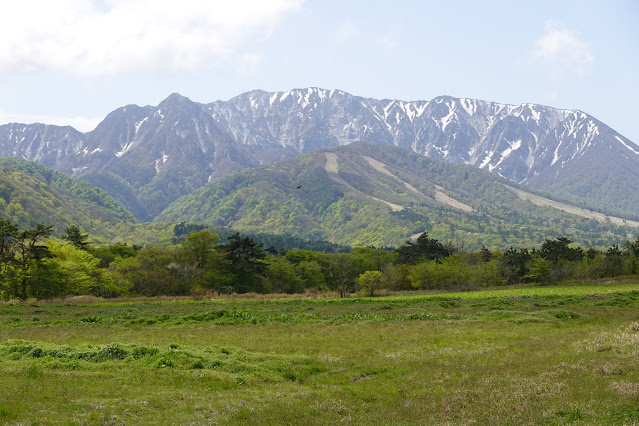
35 265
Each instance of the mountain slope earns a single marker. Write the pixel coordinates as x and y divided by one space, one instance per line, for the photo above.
364 194
157 154
566 152
599 169
146 157
31 193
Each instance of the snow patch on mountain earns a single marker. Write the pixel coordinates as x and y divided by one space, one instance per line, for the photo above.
285 95
555 156
125 148
387 109
513 146
487 159
469 105
626 145
449 117
139 123
535 114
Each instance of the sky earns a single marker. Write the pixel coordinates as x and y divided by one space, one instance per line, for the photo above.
74 61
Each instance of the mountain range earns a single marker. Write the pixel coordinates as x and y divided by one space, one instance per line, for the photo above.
147 157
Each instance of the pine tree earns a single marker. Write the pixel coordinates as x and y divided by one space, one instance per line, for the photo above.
74 235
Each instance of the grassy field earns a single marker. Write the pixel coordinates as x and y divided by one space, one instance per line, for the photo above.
544 355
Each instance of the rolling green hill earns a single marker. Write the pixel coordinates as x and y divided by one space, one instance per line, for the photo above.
31 193
364 194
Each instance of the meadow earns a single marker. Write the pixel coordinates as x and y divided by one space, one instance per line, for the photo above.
527 355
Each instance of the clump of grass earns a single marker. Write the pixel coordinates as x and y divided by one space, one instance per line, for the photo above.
564 314
111 351
19 349
448 304
33 372
7 414
261 366
625 388
626 413
164 363
91 319
521 317
143 351
36 352
571 415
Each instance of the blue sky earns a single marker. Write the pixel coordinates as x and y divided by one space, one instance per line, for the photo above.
74 61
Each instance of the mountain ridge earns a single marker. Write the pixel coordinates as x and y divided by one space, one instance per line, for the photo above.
154 155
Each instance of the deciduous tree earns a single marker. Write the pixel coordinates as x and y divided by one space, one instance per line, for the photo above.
370 282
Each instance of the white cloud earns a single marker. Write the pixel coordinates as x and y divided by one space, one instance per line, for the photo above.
118 36
83 124
562 52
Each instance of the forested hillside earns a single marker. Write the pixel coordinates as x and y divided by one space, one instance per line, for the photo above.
365 194
356 195
32 194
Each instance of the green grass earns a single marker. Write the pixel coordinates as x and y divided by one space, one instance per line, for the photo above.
544 355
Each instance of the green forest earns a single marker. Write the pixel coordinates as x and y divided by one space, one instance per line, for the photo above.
316 227
300 197
300 204
33 264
